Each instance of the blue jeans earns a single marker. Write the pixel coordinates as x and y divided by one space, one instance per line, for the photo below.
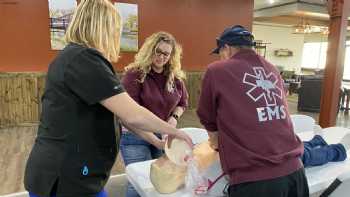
135 149
318 152
103 193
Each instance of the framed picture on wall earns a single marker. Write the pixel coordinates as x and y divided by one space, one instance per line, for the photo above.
129 15
61 13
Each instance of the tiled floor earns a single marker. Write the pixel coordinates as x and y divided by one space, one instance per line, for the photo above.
16 143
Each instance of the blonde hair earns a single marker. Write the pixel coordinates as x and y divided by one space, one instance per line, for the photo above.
96 24
143 59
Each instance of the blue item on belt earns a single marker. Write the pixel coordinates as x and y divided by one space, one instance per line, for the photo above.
85 170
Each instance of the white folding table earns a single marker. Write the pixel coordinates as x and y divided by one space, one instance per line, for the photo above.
319 177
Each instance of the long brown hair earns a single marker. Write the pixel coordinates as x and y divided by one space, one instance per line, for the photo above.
143 59
96 24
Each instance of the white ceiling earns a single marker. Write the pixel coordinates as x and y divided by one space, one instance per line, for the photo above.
259 4
289 11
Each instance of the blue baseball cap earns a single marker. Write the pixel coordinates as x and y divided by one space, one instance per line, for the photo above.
234 36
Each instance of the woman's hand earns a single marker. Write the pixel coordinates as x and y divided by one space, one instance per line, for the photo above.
172 121
182 136
160 144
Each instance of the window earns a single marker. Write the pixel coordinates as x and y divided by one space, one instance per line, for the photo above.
346 74
315 55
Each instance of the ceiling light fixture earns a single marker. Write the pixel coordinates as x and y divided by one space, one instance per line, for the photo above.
303 27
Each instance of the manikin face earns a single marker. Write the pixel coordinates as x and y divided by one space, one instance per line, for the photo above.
162 54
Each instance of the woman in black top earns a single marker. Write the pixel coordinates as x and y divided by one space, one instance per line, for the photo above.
76 145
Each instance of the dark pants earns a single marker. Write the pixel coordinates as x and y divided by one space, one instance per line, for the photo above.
53 192
103 193
135 149
318 152
293 185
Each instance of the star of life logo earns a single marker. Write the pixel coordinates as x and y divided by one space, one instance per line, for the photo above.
264 86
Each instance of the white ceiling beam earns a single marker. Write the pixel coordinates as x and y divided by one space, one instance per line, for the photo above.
291 9
313 8
279 10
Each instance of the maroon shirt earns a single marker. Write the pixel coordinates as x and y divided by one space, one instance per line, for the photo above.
243 99
152 93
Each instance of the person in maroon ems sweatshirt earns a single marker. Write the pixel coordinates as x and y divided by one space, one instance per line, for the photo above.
243 107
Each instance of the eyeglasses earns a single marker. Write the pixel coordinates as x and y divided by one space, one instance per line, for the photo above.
165 39
159 52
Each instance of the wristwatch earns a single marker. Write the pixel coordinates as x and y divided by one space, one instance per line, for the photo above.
175 116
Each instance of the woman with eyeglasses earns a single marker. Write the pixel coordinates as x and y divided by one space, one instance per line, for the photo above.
155 81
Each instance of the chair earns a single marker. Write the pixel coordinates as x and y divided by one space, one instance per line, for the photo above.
302 123
310 90
333 135
340 187
344 98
